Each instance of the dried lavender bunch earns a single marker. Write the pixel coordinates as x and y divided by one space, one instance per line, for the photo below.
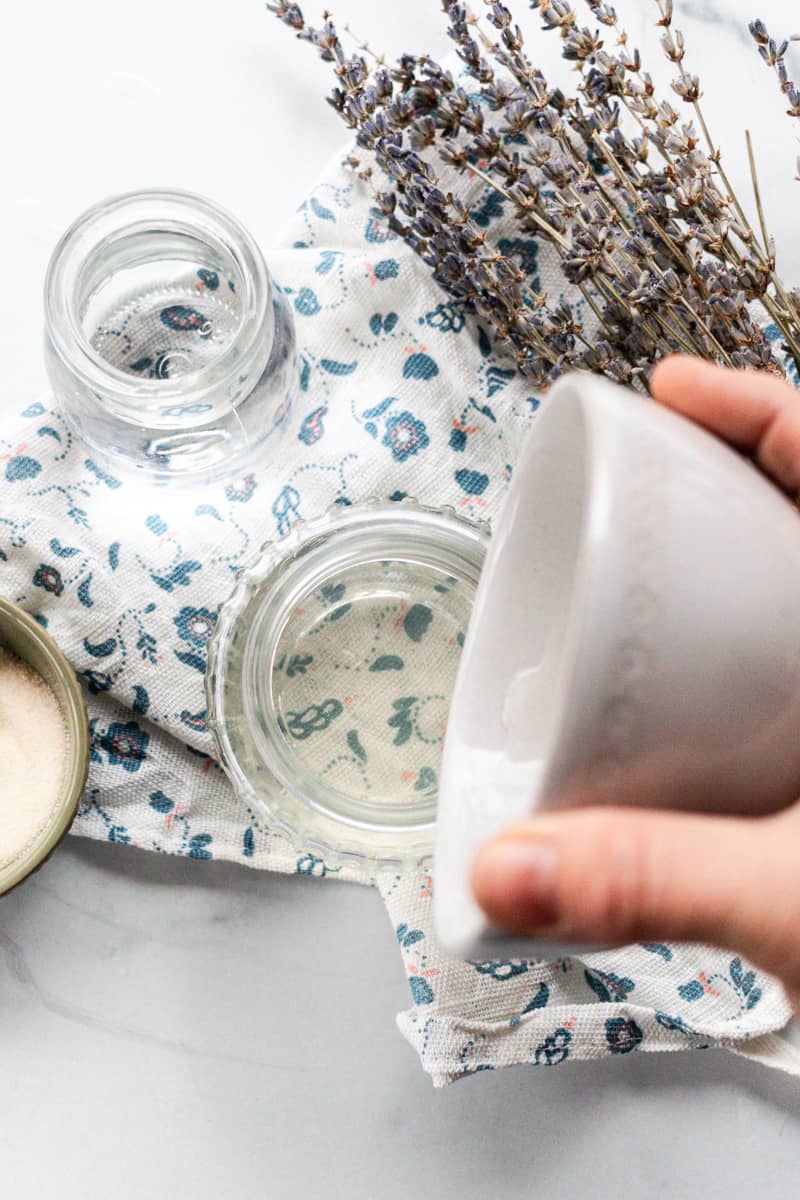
774 55
656 251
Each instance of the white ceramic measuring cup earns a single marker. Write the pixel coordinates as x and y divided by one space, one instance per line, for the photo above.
635 637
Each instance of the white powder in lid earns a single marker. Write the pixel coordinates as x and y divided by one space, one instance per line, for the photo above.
33 757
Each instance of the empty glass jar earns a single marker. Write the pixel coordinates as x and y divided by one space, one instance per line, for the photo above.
169 347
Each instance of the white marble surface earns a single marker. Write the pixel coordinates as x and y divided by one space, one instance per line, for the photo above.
192 1030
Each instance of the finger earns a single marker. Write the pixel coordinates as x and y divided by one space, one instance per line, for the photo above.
624 875
751 409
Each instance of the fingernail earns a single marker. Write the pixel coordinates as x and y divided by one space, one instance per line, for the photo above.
515 883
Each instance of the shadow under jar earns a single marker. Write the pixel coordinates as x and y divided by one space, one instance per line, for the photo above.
168 346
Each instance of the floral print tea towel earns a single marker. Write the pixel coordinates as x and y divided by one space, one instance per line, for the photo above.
400 394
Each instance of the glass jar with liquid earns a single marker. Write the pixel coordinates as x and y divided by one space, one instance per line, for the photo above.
331 674
169 347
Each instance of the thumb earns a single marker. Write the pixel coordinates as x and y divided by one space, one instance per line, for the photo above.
622 875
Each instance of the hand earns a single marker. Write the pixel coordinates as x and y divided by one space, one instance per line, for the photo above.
622 875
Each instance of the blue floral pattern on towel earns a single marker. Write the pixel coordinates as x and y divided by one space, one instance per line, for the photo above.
399 394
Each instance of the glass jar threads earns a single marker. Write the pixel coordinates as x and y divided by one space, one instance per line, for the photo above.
168 346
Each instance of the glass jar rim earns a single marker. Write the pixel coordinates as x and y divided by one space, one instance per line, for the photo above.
181 212
283 572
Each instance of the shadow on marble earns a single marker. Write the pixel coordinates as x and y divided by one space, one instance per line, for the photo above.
218 893
260 1008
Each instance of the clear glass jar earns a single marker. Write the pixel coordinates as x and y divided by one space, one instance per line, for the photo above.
331 672
168 346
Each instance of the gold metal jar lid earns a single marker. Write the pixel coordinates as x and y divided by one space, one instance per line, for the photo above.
24 637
